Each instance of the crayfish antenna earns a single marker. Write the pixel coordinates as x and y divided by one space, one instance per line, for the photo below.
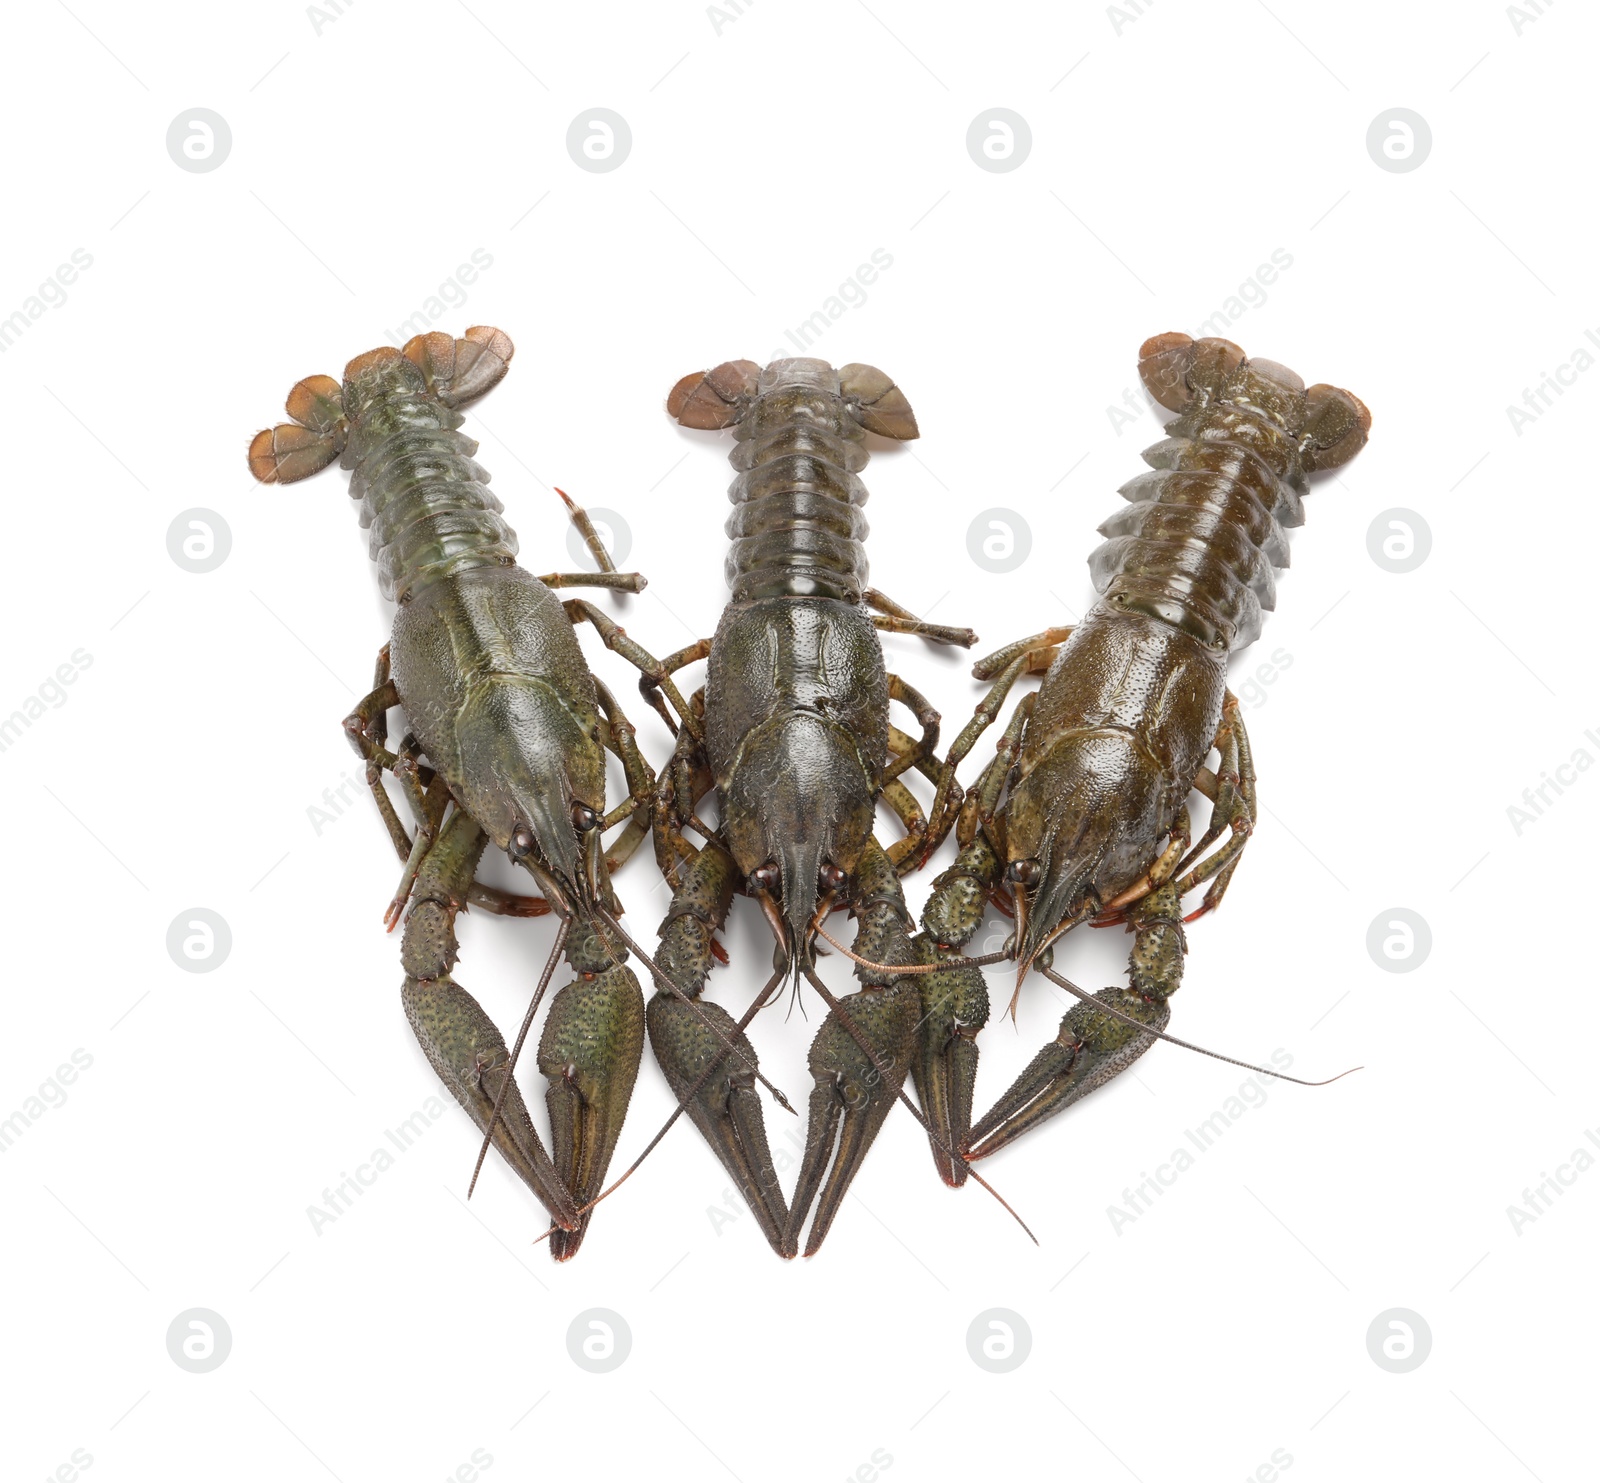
516 1049
890 968
1145 1029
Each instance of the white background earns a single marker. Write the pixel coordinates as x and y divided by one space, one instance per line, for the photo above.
772 152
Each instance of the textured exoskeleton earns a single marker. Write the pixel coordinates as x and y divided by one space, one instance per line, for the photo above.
513 727
1082 814
792 730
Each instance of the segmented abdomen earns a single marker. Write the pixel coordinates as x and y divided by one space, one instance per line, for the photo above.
1197 545
797 527
423 496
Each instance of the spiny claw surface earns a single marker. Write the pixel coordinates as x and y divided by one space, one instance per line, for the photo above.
726 1108
466 1049
851 1098
461 1042
1091 1048
954 1007
590 1054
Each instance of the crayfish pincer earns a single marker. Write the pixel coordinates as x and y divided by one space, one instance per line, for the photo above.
1082 815
792 731
507 736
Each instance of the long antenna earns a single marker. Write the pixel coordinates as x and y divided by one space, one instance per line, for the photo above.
1128 1019
895 968
516 1050
959 960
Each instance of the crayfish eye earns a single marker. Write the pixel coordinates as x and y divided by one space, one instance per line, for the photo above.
521 845
831 877
765 877
584 818
1024 873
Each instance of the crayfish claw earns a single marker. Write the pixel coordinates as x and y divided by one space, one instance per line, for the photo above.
1091 1048
944 1069
853 1094
590 1054
717 1086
